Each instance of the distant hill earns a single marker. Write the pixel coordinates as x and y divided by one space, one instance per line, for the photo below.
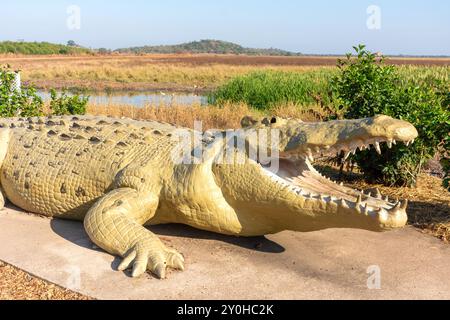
40 48
206 46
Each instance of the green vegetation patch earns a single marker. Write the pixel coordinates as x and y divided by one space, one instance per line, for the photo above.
64 104
266 89
27 103
365 86
14 103
445 160
40 48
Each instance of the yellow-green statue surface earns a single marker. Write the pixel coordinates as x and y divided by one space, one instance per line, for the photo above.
119 175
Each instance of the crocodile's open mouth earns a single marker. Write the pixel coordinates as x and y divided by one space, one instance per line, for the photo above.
297 174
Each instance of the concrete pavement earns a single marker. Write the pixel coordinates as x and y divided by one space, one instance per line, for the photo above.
330 264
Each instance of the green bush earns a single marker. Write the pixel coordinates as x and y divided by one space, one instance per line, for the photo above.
63 104
264 89
445 161
366 86
40 48
24 103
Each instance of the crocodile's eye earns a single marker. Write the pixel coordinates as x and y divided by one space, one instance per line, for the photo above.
274 120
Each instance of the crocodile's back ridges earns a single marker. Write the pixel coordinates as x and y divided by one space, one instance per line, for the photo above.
59 165
92 121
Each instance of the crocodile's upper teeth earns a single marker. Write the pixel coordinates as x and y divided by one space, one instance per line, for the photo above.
377 147
347 155
389 144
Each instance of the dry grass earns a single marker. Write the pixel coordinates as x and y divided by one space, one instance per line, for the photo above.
183 72
227 116
16 284
132 72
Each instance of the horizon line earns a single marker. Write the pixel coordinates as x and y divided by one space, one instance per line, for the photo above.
245 47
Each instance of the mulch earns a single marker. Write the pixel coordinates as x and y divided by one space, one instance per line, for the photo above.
16 284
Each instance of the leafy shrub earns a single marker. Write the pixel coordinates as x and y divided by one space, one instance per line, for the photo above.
445 161
265 89
40 48
366 86
64 104
13 103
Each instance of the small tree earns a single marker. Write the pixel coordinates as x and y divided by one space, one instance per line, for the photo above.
14 103
64 104
366 86
104 51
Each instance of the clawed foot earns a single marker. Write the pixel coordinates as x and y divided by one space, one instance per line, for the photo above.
154 257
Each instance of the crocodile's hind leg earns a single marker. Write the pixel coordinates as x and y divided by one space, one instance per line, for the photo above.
115 223
4 142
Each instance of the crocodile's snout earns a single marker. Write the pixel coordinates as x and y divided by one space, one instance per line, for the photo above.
392 129
394 218
406 132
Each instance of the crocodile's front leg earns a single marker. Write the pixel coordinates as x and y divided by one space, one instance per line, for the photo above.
115 223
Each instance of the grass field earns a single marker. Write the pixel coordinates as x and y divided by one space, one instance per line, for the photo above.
183 72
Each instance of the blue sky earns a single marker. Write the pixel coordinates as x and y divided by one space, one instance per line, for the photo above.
319 26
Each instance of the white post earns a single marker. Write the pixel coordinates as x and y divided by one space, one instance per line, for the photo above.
17 83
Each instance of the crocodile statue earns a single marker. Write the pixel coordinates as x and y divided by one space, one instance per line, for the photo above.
119 175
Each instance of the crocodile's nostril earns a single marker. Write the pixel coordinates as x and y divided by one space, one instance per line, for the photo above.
406 133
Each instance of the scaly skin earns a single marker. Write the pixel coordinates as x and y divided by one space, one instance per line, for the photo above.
118 175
